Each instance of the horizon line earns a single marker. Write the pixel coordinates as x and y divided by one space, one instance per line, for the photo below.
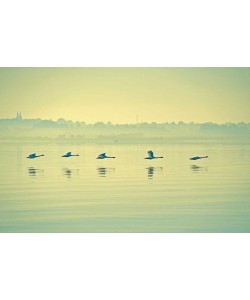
136 123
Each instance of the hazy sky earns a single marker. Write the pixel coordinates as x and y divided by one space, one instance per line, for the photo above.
119 94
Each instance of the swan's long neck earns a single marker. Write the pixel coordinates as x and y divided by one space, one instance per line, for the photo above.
110 157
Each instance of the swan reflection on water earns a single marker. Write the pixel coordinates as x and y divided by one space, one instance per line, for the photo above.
196 168
152 170
102 172
33 171
69 172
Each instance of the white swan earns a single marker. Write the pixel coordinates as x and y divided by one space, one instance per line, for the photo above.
68 154
151 155
33 155
198 157
103 155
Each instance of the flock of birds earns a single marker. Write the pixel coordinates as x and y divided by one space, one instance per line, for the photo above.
103 156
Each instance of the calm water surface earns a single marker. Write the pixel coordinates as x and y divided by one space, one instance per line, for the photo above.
126 194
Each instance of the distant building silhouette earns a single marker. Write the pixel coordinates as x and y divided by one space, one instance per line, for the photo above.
19 116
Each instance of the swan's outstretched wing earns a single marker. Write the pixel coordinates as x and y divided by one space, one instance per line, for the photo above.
102 155
150 154
195 158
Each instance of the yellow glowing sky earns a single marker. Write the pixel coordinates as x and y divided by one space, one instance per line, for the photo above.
119 94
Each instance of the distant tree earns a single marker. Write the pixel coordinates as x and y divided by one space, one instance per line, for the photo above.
61 120
99 124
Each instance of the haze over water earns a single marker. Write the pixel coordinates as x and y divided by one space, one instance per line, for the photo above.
129 193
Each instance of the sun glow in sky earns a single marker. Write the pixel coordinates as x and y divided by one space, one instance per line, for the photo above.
120 94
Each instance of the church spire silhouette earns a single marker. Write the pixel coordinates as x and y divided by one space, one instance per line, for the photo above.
19 116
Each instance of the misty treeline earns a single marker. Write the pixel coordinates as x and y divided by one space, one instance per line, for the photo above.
62 130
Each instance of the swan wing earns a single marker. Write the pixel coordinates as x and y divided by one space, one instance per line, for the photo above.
68 153
150 153
195 158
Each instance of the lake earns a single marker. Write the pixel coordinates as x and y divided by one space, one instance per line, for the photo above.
128 193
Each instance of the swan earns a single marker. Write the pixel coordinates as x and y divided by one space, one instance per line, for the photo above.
198 157
68 154
33 155
103 155
151 155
